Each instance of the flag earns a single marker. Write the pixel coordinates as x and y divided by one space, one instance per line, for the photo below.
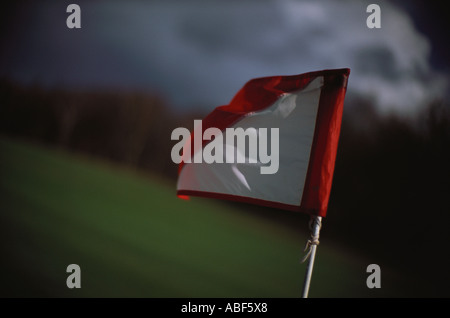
294 121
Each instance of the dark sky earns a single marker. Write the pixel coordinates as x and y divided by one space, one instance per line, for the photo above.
432 18
199 53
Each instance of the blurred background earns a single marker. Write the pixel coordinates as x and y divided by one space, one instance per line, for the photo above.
86 175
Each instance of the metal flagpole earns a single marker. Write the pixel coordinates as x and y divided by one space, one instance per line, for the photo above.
311 245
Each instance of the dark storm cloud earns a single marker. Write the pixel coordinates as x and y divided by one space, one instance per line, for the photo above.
202 52
377 61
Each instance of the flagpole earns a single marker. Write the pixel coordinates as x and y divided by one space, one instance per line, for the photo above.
315 225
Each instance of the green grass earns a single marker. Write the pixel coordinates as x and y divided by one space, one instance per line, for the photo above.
132 237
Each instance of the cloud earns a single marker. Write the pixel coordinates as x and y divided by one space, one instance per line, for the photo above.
202 52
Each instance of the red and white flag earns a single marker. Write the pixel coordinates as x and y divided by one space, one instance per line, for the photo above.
297 116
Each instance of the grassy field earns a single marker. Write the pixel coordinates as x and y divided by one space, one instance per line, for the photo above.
132 237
